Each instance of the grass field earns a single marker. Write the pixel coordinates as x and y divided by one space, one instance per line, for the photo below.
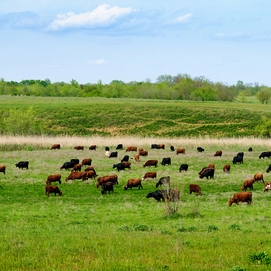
85 230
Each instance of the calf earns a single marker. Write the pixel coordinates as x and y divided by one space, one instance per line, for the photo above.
136 182
258 177
183 167
194 188
247 184
180 150
79 148
163 181
227 168
166 161
53 178
55 146
218 153
107 187
22 164
149 175
52 189
92 148
3 169
150 163
241 197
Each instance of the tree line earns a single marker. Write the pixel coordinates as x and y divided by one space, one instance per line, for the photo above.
167 87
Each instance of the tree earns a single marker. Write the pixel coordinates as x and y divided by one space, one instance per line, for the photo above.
264 129
264 95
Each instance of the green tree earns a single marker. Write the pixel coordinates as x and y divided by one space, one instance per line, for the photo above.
264 129
264 95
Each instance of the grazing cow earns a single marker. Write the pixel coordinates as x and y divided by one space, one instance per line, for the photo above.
180 150
153 146
22 164
165 195
160 146
79 148
150 163
53 178
89 168
149 175
200 149
247 184
142 152
265 154
250 149
113 154
267 186
77 175
136 182
127 165
172 148
55 146
227 168
75 161
125 158
90 174
237 159
119 147
258 177
131 148
194 188
269 168
241 197
107 187
119 166
93 148
109 178
166 161
240 154
211 165
49 189
183 167
137 158
207 172
163 181
76 167
86 162
67 165
106 148
3 169
218 153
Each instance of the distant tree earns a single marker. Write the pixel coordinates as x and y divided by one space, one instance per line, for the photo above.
264 128
264 95
167 79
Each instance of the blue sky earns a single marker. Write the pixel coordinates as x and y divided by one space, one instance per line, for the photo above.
224 41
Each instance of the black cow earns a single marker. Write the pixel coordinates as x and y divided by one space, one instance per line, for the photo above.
67 165
119 147
250 149
119 166
166 161
163 180
74 160
113 154
172 148
107 187
269 168
106 148
153 146
125 158
241 154
22 164
200 149
206 173
265 154
237 159
158 195
183 167
169 195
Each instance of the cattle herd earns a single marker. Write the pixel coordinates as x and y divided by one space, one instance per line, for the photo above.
84 170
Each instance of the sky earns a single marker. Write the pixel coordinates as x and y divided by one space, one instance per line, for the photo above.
91 41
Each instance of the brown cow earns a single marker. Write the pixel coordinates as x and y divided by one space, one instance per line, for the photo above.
241 197
90 174
77 175
108 178
150 163
227 168
247 184
194 188
52 189
160 146
136 182
92 147
107 187
142 152
180 150
127 165
258 177
218 153
53 178
3 169
131 148
55 146
79 148
149 175
211 165
90 168
76 167
137 158
86 162
267 186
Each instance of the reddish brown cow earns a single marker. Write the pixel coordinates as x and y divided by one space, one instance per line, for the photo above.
109 178
267 186
86 162
127 165
55 146
142 152
76 167
180 150
53 178
92 147
79 148
247 184
136 182
211 165
3 169
90 174
241 197
149 175
150 163
137 158
258 177
194 188
52 189
131 148
77 175
89 168
227 168
218 153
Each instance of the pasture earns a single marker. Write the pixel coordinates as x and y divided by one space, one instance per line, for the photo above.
85 230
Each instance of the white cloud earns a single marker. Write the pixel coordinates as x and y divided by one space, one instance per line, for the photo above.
103 15
184 19
96 62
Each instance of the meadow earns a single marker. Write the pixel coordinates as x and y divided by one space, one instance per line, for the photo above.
85 230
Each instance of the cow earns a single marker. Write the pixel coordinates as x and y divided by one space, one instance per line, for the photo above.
90 168
250 149
150 163
227 168
241 154
172 148
166 161
165 195
200 149
268 169
247 184
153 146
218 153
142 152
55 146
113 154
137 158
158 195
180 150
106 148
119 147
108 178
3 169
93 148
267 186
90 174
131 148
107 187
119 166
125 158
76 167
163 181
53 178
149 175
211 165
67 165
79 148
241 197
160 146
136 182
265 154
77 175
194 188
206 173
86 162
75 161
258 177
183 167
237 159
22 164
49 189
